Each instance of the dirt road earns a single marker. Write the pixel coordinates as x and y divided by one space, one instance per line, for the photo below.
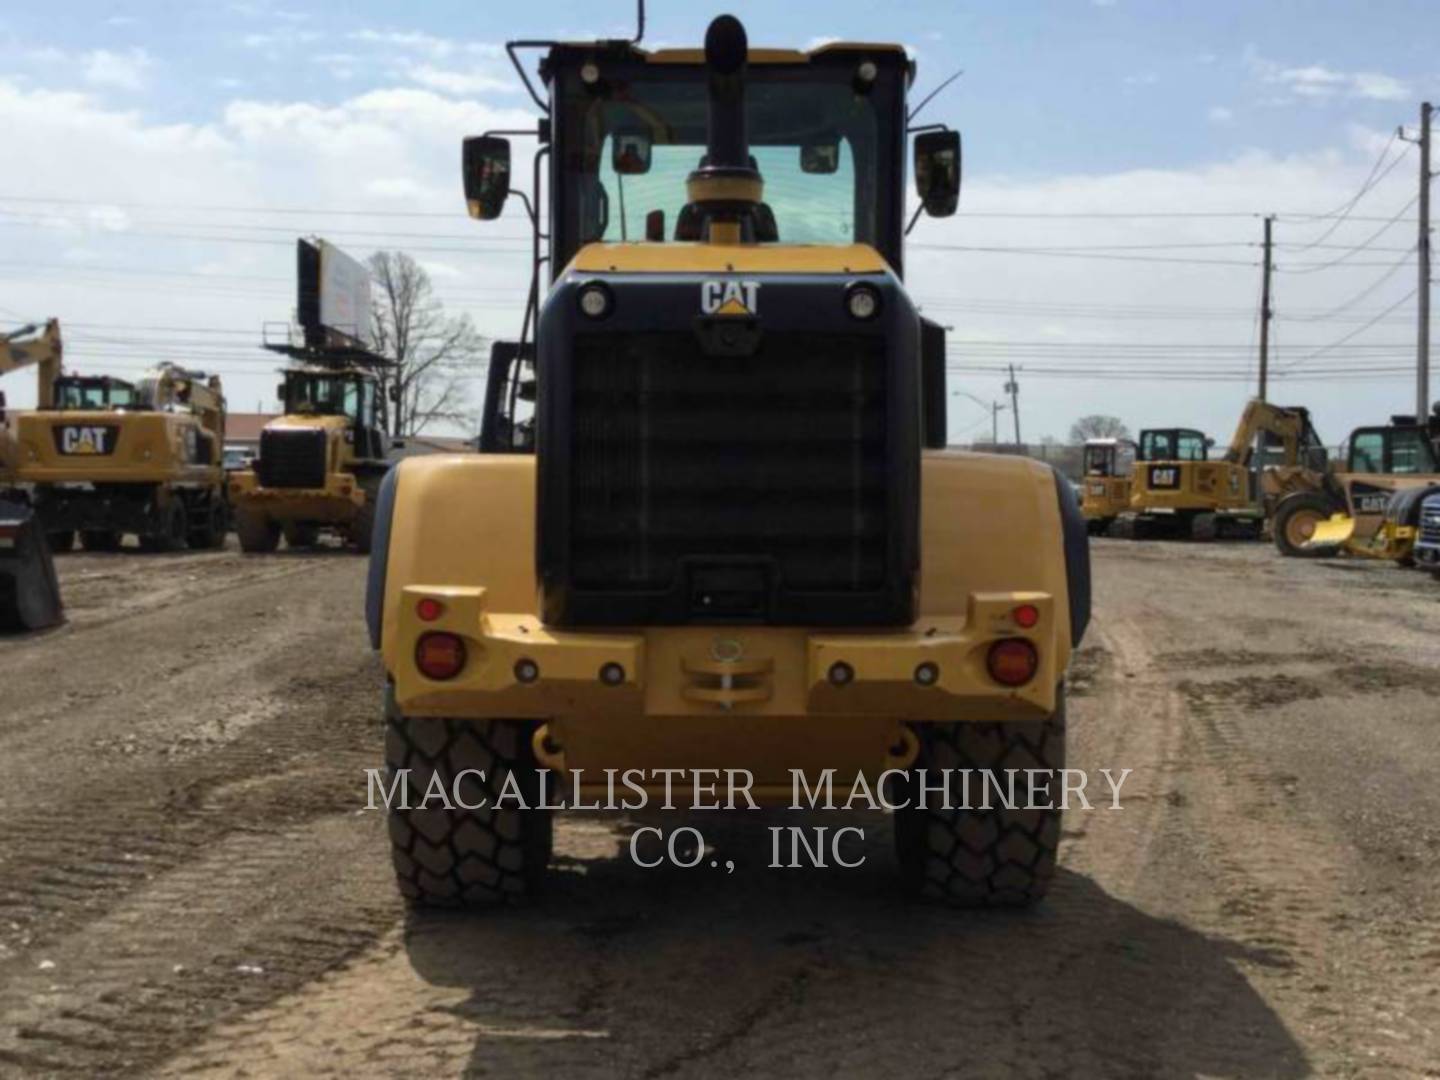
188 883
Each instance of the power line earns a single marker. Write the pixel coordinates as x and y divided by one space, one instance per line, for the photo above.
1343 213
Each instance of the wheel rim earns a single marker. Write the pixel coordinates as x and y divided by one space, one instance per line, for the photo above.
1300 529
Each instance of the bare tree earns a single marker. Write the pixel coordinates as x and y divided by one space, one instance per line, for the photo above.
436 355
1098 426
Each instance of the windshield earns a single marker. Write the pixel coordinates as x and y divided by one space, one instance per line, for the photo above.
850 141
93 394
1172 445
323 395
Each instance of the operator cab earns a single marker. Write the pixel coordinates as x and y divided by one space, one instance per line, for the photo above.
1400 449
95 392
1174 444
1109 457
348 393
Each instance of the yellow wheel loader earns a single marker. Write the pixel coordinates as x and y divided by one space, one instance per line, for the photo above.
110 457
1370 505
1109 466
29 589
320 463
728 541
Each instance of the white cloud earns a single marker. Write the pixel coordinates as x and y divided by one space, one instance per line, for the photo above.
121 20
1144 78
459 82
123 71
1219 114
1316 82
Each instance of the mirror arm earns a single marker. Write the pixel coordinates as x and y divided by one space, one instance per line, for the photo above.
529 206
510 49
931 96
915 217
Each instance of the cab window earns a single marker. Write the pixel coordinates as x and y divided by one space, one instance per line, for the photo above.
1192 446
1367 452
1410 453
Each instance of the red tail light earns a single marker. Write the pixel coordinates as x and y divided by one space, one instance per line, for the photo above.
1026 616
439 656
429 609
1013 662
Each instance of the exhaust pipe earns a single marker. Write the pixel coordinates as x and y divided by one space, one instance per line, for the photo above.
727 186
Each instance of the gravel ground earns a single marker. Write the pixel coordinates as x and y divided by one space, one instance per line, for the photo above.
188 883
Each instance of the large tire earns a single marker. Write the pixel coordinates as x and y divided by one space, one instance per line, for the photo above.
363 527
258 534
453 857
100 540
60 542
1295 522
300 536
211 534
172 529
1203 527
979 858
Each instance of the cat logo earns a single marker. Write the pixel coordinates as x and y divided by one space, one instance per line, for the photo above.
78 439
720 297
1164 476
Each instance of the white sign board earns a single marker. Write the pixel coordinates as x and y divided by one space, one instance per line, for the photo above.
334 297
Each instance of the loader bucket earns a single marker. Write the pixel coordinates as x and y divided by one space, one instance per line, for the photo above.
29 590
1338 530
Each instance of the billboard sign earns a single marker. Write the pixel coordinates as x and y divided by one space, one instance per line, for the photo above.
333 302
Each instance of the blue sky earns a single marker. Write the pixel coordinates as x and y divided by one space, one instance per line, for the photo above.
146 112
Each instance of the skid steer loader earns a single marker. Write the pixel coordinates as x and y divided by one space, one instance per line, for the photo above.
29 589
738 542
110 457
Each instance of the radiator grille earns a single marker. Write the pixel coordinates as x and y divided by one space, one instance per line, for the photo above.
292 458
1430 522
776 461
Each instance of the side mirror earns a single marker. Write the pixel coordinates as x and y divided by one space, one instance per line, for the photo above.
280 392
655 226
393 393
485 163
820 157
630 153
937 171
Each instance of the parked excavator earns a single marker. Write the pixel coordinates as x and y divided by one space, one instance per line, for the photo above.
29 589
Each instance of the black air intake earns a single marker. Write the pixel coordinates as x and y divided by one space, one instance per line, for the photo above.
292 458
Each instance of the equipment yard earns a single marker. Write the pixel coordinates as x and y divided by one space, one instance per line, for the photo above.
189 880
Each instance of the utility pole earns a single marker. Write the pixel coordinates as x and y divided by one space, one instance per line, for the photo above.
1013 389
1265 311
1422 346
995 408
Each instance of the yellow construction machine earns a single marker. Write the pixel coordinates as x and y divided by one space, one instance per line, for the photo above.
320 463
106 457
29 588
1109 467
731 543
1369 504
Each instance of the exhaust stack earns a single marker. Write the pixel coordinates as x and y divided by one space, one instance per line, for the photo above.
727 186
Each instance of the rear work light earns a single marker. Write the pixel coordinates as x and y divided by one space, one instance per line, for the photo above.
439 656
1012 662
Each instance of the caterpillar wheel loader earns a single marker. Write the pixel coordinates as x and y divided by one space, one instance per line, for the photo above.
29 589
1370 504
1109 466
109 457
715 526
320 463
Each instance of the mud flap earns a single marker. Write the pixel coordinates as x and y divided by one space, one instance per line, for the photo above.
29 589
1338 530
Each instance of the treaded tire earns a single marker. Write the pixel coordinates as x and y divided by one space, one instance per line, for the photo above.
362 528
211 535
258 534
174 531
996 858
1308 503
1203 527
462 858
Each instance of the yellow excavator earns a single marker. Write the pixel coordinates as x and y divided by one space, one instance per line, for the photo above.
29 589
109 457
